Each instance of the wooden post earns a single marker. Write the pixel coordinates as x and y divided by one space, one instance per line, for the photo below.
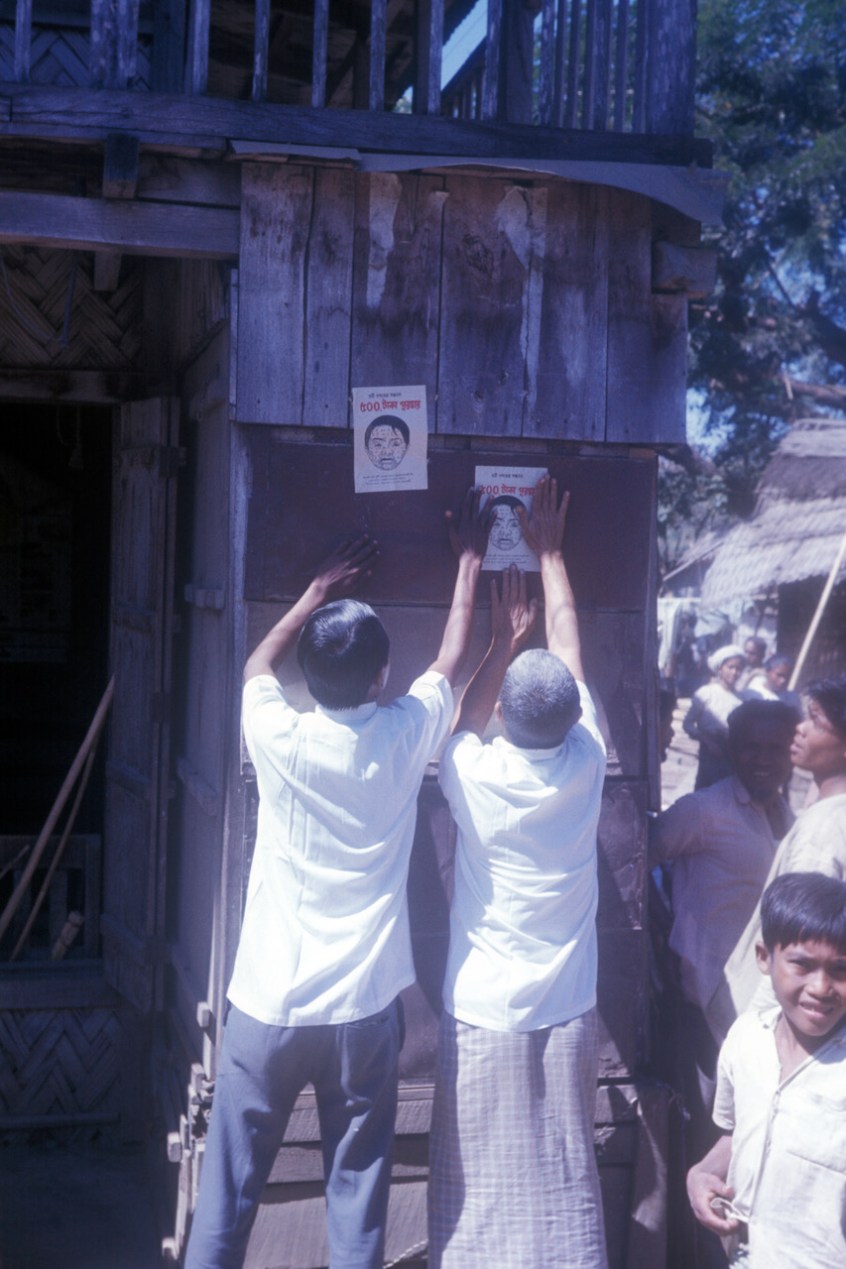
320 44
572 106
23 40
817 618
429 47
493 45
670 65
261 50
621 65
597 65
197 70
378 24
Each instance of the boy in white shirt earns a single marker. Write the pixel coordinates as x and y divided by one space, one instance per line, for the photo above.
513 1177
325 947
775 1182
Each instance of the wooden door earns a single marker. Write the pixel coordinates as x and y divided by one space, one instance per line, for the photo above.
143 529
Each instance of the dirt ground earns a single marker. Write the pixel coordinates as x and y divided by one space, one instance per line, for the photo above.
76 1206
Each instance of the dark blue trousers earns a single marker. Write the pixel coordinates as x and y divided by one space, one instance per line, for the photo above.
353 1067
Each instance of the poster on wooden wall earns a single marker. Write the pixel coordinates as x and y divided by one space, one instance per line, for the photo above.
390 437
505 490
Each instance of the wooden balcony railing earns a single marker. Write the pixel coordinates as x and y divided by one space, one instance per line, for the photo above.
601 65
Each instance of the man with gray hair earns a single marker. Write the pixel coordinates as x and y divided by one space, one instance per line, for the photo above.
513 1178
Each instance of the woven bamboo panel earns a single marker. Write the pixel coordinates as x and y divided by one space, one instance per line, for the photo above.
103 332
59 1062
60 58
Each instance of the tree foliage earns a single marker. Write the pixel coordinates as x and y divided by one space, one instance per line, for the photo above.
770 344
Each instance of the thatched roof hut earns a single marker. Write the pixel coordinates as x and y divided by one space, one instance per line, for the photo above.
799 520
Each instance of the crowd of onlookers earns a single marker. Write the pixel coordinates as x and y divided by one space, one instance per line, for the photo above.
757 985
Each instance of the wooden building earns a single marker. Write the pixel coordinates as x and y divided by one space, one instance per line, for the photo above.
216 220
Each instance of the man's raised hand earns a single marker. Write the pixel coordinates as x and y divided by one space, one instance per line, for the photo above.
346 566
543 530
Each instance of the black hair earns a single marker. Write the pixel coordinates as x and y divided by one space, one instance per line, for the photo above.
778 658
760 644
775 714
394 423
801 907
341 650
539 700
830 695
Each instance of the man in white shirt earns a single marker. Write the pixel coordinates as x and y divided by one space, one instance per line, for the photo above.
325 947
513 1177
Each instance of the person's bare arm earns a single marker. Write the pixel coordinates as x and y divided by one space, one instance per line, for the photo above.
706 1181
512 619
336 577
469 537
544 533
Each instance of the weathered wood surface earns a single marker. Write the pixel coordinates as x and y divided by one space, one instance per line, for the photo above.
200 124
526 308
493 243
647 335
89 224
326 351
570 380
609 516
276 215
396 282
138 756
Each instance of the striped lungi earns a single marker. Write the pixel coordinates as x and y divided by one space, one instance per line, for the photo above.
513 1182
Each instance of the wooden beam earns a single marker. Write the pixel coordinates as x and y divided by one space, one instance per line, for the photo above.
95 387
207 124
91 224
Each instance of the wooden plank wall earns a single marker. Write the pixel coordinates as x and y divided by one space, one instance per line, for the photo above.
526 307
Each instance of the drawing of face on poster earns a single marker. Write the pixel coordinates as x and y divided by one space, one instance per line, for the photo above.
507 492
390 439
386 441
506 533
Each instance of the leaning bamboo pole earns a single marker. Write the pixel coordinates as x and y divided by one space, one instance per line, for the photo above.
57 856
88 744
817 618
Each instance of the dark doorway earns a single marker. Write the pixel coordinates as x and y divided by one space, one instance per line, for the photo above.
55 517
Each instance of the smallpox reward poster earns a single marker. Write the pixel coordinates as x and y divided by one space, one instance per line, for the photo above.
504 491
390 438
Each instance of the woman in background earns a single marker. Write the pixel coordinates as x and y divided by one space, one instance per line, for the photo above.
707 718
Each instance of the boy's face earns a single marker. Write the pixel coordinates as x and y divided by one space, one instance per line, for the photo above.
809 981
817 747
386 447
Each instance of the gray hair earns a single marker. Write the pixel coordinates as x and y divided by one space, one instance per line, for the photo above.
539 700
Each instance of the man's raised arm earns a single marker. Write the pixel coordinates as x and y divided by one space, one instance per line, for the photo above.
468 535
512 619
544 533
336 577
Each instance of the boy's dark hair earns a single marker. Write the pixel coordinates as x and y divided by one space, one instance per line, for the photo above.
393 422
800 907
539 700
759 644
776 715
341 650
830 695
